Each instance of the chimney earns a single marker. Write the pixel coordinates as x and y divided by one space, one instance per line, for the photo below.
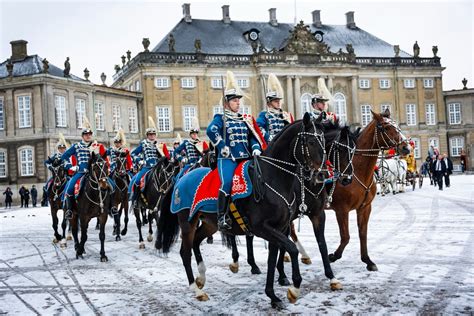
225 14
187 12
273 17
317 18
350 23
18 50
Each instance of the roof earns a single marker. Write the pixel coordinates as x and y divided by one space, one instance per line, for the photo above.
215 35
32 65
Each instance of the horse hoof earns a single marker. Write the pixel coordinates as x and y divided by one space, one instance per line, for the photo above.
104 259
124 232
202 297
336 285
372 267
69 237
332 257
284 281
278 305
55 241
117 238
149 238
256 270
63 245
286 258
293 294
306 260
141 246
200 282
234 267
210 240
97 227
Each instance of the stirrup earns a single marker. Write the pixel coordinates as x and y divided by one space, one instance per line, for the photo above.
68 214
114 211
224 223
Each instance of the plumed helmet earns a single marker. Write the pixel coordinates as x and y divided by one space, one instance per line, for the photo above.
274 89
151 126
87 129
178 139
232 90
194 125
62 142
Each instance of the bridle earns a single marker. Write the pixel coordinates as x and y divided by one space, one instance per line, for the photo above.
120 172
58 181
96 179
335 158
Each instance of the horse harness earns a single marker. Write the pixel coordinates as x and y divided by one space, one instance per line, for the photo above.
94 179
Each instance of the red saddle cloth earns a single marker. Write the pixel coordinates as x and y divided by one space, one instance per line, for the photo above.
78 186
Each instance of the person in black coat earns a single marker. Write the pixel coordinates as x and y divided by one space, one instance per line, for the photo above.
34 195
439 169
8 197
26 196
449 169
22 195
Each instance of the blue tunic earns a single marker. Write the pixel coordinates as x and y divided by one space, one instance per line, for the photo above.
271 123
190 152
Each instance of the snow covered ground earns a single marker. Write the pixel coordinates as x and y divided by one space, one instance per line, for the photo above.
422 242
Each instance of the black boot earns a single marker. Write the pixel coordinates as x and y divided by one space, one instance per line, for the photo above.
68 207
224 222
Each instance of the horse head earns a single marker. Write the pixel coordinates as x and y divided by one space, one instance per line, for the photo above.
59 173
121 164
387 134
99 170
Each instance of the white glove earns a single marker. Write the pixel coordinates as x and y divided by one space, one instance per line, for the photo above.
141 162
256 152
184 161
225 152
74 168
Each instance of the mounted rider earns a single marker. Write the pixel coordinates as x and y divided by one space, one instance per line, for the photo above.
319 102
176 144
190 152
145 156
272 120
237 137
81 151
115 151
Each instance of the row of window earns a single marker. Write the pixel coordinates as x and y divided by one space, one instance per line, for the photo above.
190 82
25 161
164 119
428 83
134 87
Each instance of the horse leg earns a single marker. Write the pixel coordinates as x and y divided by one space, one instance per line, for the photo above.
64 223
304 255
151 215
117 225
103 221
204 230
84 226
250 257
144 216
282 278
73 224
97 225
234 266
319 224
125 220
137 212
54 215
271 263
343 223
69 229
363 215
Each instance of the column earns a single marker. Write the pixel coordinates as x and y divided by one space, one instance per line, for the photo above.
289 95
298 97
262 93
356 119
330 84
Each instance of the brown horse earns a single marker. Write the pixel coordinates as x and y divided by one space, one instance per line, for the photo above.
380 134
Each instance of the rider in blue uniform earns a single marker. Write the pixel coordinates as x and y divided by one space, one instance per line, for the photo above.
272 120
144 156
61 148
232 135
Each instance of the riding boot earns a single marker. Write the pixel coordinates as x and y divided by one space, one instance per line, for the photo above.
68 207
224 222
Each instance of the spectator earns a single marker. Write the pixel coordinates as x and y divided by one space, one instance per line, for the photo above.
439 171
8 197
34 195
463 160
22 195
449 169
26 196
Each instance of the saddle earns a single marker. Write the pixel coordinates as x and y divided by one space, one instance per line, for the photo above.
79 186
144 180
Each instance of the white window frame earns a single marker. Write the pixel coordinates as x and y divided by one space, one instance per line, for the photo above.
133 119
409 83
384 106
340 107
417 149
163 118
130 87
188 83
216 83
217 109
80 112
410 110
428 83
60 107
99 115
305 103
365 114
24 111
454 114
189 111
430 114
456 144
364 83
245 109
137 85
384 83
2 115
243 83
3 163
116 117
27 168
162 82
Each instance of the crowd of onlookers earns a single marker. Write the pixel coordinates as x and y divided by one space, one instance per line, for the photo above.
25 195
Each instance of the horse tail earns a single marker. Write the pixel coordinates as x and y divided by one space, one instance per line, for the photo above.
168 225
228 240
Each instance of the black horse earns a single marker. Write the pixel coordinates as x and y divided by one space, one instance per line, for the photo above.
95 200
161 178
122 180
59 180
297 152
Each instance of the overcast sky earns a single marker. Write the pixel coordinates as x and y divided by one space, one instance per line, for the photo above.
94 34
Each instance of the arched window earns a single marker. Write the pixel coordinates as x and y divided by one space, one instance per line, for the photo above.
340 107
305 103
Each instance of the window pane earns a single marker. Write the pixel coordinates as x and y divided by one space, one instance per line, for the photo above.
366 114
411 114
3 163
99 116
116 117
305 103
2 115
340 107
80 112
132 119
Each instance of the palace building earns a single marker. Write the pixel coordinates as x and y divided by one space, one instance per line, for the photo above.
182 76
39 100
